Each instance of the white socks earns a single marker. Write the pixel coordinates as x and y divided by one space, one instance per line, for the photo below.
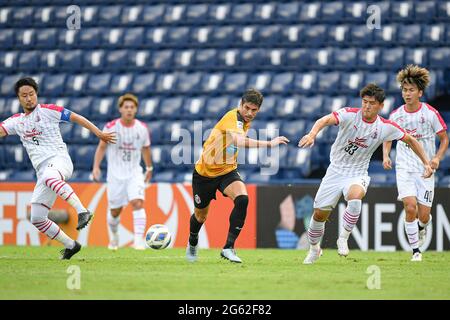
351 216
139 222
39 219
113 222
315 232
412 231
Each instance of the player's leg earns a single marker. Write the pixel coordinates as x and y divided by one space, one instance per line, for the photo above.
411 226
54 176
139 223
425 194
354 194
41 202
117 199
237 192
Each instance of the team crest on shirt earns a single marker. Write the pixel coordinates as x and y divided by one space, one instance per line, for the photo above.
422 120
374 135
240 125
38 118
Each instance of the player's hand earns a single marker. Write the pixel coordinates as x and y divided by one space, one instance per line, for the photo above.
306 141
96 174
387 163
278 140
108 137
148 176
428 171
434 163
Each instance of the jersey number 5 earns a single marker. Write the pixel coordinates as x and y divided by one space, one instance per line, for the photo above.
35 140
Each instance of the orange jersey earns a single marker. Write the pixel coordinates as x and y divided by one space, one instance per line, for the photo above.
219 154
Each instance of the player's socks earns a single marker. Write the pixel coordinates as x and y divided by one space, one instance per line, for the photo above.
139 223
195 227
55 181
315 232
237 220
351 216
113 223
412 231
39 219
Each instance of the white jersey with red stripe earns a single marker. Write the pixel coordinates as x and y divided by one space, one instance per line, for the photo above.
423 125
358 139
124 157
39 132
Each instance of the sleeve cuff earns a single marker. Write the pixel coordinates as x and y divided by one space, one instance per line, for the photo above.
336 117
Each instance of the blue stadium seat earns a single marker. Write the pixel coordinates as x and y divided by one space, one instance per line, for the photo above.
155 37
287 12
121 83
112 38
28 61
293 130
361 36
171 108
15 156
310 12
282 82
137 60
314 36
189 82
75 84
7 39
217 106
116 60
89 37
439 58
250 58
418 56
288 108
133 37
392 86
98 83
392 59
332 11
23 175
46 38
81 135
409 35
161 59
424 11
164 176
242 12
71 60
206 58
153 14
90 15
81 106
292 35
379 78
311 107
351 83
434 35
268 108
193 107
328 82
260 81
300 158
345 58
355 12
387 35
321 58
131 15
402 11
178 36
443 11
50 61
299 58
265 12
166 83
339 35
109 15
53 85
25 39
156 131
22 17
104 109
7 85
369 59
234 82
334 103
269 35
174 14
223 35
211 82
94 60
6 17
148 108
306 82
143 83
84 156
197 13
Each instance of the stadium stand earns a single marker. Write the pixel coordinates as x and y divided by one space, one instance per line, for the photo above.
190 60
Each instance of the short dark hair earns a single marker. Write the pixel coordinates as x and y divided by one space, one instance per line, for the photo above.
372 90
27 81
252 96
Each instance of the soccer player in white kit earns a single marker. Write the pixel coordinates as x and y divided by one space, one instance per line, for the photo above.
125 179
38 128
423 122
361 132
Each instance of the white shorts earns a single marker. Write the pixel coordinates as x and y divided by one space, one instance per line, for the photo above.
412 184
42 194
121 192
334 185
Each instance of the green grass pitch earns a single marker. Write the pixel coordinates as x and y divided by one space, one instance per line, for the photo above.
36 273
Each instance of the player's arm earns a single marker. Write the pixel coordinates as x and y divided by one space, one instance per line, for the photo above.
108 137
387 163
242 141
2 132
418 149
98 157
443 146
308 139
146 155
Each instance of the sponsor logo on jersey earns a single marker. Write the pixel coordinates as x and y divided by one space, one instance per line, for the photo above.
359 142
32 133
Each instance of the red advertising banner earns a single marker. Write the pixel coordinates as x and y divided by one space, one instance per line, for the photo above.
169 204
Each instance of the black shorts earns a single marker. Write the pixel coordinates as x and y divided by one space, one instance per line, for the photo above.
204 188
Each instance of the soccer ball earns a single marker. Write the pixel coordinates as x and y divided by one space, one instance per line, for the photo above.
158 236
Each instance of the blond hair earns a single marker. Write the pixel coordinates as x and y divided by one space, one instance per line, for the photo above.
130 97
413 74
